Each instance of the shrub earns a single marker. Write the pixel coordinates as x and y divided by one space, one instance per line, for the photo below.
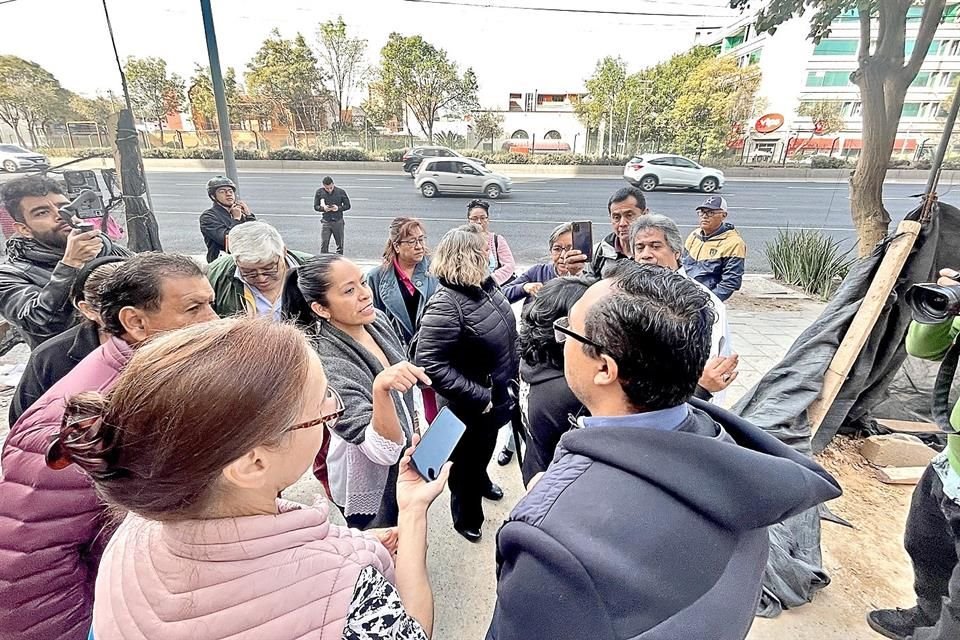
897 163
394 155
289 153
808 259
826 162
923 165
203 153
449 139
343 154
951 165
162 153
248 154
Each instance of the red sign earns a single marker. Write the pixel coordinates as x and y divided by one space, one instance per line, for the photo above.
818 127
768 123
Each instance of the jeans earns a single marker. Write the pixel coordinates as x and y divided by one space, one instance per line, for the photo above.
932 539
328 228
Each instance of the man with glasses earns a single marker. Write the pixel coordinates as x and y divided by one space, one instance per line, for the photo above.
250 279
715 252
652 519
624 206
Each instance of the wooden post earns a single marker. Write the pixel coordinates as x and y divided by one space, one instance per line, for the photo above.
864 320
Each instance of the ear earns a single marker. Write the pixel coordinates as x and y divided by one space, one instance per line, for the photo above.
23 229
320 310
607 372
84 307
249 471
135 324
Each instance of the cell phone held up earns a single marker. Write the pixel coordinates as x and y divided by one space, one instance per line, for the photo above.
583 237
437 444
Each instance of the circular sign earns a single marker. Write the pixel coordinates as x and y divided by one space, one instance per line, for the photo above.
768 123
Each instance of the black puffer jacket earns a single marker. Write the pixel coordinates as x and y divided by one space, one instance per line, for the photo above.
468 345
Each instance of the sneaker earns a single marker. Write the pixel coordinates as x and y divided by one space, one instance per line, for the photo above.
898 624
505 457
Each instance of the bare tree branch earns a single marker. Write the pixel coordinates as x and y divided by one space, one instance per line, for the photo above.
932 15
864 9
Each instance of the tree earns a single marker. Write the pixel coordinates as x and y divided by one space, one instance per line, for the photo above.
883 75
98 109
284 73
607 96
425 79
29 94
826 115
203 105
153 92
341 58
487 125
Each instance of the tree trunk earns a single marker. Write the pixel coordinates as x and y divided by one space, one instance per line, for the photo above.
160 124
881 96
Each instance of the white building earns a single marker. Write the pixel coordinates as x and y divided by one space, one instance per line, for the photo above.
795 70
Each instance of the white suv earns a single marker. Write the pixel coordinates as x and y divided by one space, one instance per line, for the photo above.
653 170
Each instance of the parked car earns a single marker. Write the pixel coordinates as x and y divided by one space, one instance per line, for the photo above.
14 158
653 170
413 158
460 175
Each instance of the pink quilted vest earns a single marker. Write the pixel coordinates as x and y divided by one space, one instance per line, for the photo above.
286 576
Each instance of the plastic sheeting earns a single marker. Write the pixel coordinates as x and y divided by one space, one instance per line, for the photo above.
779 402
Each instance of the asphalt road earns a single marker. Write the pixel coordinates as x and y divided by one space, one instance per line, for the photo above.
758 209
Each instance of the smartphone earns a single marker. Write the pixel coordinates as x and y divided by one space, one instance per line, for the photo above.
583 238
437 444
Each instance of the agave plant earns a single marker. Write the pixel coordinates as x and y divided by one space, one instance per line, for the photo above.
810 260
450 139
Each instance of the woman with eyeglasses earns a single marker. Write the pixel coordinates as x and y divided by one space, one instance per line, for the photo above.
499 257
365 360
196 458
467 345
401 284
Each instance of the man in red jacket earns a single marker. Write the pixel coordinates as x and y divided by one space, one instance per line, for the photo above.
52 525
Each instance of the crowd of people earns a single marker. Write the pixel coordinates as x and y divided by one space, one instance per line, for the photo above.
167 405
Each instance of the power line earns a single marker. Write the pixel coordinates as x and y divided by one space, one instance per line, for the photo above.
658 14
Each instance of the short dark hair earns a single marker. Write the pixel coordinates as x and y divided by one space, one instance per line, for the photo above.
627 192
15 191
138 282
327 181
537 342
654 317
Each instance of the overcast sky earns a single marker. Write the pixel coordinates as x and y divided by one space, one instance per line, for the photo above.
510 49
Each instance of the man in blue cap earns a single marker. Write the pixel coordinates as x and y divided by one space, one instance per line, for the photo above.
715 252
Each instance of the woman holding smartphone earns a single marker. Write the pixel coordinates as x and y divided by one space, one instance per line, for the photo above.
227 558
467 346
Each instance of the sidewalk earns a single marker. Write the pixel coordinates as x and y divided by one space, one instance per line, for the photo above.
867 564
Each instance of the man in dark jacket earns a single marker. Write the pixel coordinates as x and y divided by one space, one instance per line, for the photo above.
651 522
226 212
624 206
715 252
331 201
43 259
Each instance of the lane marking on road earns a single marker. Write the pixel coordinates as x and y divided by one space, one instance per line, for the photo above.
535 191
689 193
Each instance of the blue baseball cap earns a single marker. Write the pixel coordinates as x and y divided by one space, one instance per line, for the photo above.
714 202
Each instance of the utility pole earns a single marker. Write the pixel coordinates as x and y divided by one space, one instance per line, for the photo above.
937 164
219 93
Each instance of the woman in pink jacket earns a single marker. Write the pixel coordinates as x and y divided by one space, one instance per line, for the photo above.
197 457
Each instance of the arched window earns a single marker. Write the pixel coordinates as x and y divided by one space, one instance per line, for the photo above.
519 134
552 135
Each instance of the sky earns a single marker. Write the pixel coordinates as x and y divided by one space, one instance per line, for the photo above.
510 49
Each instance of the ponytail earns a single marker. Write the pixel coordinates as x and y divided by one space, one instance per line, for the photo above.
86 439
293 305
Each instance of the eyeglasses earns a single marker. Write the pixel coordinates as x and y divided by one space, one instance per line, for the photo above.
478 219
559 249
708 213
561 330
329 420
253 274
413 242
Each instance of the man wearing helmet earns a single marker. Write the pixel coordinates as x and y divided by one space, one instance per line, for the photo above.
226 212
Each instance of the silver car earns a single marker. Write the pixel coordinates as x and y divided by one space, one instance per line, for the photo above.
653 170
459 175
14 158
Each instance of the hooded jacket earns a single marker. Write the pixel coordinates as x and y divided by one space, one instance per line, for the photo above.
35 288
52 522
717 260
646 533
215 225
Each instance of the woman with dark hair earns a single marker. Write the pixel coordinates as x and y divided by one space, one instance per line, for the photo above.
550 403
402 285
196 459
532 280
57 356
499 256
328 296
467 345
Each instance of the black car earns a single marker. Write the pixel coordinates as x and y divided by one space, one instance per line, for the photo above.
413 157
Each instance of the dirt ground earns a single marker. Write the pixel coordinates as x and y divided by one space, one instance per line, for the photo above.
867 564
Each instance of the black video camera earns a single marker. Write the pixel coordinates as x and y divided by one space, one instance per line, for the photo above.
932 303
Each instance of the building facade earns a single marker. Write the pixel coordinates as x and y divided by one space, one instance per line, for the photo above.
797 71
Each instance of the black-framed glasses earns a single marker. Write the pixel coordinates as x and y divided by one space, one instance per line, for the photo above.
708 213
414 242
478 219
269 272
329 420
562 330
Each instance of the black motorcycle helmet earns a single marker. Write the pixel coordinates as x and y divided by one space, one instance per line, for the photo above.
216 183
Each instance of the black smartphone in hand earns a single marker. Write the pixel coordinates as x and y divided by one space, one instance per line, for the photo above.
583 238
437 444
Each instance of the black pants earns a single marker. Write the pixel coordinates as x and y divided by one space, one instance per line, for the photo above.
932 539
468 477
328 228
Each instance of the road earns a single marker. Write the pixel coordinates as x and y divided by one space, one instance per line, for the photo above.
758 208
